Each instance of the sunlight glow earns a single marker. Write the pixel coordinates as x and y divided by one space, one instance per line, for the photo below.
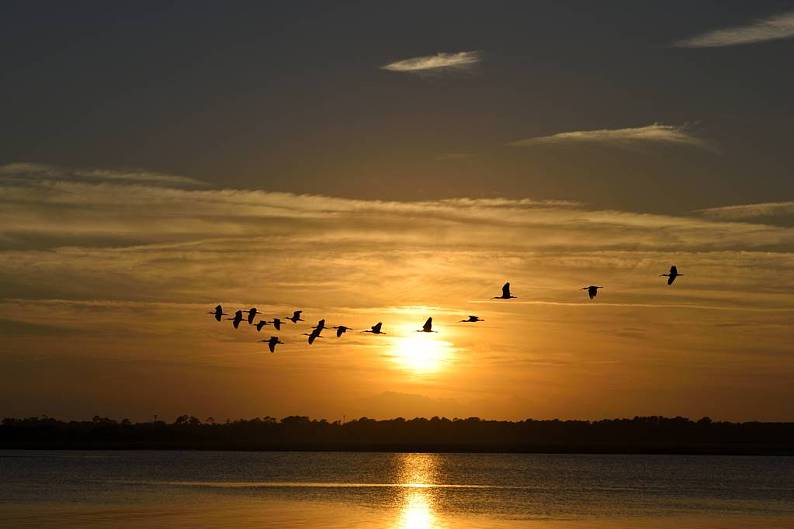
422 354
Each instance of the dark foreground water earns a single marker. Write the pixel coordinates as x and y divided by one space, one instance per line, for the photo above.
350 490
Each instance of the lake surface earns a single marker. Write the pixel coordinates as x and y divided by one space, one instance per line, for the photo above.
142 489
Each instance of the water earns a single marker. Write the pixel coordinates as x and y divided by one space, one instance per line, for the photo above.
408 491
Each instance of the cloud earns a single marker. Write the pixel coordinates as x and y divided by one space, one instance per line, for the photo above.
82 240
130 268
436 63
44 213
25 172
750 211
772 28
625 138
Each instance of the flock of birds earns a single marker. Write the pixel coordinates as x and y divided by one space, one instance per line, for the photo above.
592 292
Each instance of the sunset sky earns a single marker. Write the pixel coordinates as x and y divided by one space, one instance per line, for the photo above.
368 162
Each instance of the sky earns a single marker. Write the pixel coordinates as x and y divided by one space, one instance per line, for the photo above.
374 161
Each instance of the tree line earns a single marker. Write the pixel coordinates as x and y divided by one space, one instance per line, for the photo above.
677 435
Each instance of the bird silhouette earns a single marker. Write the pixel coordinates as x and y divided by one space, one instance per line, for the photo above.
376 328
271 343
427 327
252 312
505 292
592 291
314 334
672 275
260 324
238 317
296 316
341 329
472 319
218 312
276 323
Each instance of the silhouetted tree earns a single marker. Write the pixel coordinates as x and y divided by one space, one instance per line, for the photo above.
641 434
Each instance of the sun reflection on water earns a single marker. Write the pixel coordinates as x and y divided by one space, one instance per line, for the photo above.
416 511
417 472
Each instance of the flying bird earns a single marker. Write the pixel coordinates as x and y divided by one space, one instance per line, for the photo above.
340 330
505 292
238 317
672 275
296 316
313 335
260 324
218 312
376 328
276 323
252 314
427 327
271 343
472 319
592 291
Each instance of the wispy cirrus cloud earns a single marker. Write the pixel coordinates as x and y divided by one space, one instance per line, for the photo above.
46 213
750 211
436 63
626 138
26 172
766 29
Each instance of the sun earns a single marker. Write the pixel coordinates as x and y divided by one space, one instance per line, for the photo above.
422 354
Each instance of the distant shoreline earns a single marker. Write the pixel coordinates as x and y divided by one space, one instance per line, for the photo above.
637 436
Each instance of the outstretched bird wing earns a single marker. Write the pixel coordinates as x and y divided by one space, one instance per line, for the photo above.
506 290
428 326
377 326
